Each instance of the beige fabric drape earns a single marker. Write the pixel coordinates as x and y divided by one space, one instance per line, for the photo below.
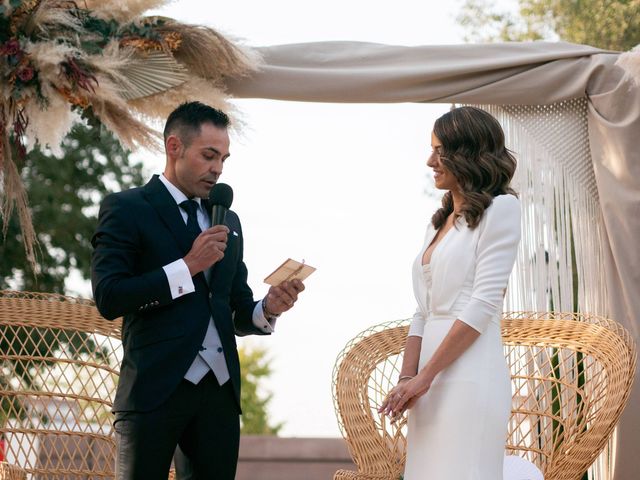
510 73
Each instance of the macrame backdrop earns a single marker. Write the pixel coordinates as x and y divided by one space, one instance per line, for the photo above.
560 262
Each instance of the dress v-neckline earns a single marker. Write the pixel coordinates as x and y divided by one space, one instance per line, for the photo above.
437 245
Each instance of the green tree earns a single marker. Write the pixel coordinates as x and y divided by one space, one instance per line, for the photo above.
606 24
64 195
254 366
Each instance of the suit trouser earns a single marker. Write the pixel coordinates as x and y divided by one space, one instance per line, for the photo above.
202 419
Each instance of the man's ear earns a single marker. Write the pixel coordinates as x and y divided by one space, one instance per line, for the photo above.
173 146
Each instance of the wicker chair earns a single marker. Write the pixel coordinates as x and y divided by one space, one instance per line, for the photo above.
11 472
59 365
571 377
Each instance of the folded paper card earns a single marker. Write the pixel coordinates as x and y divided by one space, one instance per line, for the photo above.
289 270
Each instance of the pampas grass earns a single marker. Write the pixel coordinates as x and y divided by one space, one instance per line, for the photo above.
48 126
113 61
131 132
198 43
630 63
47 57
52 14
122 10
15 196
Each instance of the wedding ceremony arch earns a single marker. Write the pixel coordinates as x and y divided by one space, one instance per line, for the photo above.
571 112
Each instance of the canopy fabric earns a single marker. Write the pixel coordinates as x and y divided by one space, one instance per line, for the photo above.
534 73
352 72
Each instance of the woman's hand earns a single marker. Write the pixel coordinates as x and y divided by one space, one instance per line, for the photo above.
404 395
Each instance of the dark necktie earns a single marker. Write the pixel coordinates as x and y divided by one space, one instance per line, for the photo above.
191 207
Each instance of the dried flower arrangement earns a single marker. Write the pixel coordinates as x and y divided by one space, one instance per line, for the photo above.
104 61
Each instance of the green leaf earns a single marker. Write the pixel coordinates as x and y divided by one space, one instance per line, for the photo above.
91 47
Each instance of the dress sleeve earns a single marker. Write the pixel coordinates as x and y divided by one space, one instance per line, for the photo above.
496 253
416 329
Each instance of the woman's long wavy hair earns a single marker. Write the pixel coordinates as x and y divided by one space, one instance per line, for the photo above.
473 151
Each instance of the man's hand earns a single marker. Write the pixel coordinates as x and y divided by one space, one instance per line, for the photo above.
281 298
207 249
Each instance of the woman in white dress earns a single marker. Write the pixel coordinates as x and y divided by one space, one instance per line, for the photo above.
454 376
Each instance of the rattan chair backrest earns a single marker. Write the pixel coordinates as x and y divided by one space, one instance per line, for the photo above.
60 361
571 376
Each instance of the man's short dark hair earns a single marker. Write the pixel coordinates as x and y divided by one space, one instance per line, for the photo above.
186 120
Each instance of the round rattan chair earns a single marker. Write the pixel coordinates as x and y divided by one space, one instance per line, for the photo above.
59 367
11 472
571 377
60 362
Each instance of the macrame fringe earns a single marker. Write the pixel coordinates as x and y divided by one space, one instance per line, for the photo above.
560 264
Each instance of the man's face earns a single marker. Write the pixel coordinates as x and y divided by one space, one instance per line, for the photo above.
195 168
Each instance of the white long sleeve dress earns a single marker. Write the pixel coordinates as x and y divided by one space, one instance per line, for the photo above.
457 430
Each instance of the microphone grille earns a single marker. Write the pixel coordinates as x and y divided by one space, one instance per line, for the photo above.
221 194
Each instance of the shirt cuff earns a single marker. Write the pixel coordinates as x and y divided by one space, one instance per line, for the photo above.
261 322
180 281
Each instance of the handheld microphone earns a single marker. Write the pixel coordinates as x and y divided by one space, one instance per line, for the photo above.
220 199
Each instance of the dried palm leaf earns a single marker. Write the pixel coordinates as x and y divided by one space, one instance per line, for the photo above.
152 73
195 89
138 74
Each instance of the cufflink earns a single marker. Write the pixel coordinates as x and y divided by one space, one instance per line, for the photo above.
180 290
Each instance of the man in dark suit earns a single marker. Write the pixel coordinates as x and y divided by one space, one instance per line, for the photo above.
181 286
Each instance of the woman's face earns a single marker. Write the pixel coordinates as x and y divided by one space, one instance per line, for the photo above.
443 178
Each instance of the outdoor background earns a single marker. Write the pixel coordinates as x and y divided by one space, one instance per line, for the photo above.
344 187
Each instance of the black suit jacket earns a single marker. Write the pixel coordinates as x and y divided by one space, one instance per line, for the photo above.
140 231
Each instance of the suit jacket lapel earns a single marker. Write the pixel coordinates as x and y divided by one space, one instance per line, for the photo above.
162 201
